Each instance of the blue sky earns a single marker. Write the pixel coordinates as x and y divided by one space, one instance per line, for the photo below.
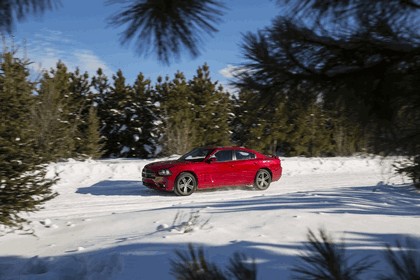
79 35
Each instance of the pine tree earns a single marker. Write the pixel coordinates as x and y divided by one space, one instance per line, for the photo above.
83 115
212 108
115 113
13 11
100 85
78 105
261 125
178 125
269 132
53 118
100 91
167 27
91 143
146 134
347 136
327 259
310 135
243 112
23 186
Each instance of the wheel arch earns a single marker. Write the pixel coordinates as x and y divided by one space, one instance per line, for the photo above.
263 183
265 168
188 171
187 188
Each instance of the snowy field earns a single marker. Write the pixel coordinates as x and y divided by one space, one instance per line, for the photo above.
106 225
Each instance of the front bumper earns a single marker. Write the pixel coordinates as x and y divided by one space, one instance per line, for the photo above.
153 181
153 184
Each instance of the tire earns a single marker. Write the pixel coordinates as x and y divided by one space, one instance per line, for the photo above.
185 184
262 179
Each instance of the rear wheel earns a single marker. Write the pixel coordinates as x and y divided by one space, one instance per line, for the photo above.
262 179
185 184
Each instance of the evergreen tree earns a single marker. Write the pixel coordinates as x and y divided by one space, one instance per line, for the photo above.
263 126
327 259
23 186
310 136
243 112
178 125
129 118
347 136
212 107
100 85
100 90
270 128
168 26
146 117
83 116
91 144
53 117
115 114
12 11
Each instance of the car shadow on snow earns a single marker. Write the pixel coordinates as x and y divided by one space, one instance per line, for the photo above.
153 260
118 188
127 187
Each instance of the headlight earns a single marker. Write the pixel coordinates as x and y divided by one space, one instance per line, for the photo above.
164 172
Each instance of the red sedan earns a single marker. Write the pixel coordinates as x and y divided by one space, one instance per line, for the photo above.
213 167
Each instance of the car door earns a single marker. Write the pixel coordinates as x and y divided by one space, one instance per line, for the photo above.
244 167
221 169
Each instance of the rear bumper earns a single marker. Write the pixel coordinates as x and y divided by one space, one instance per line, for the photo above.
277 174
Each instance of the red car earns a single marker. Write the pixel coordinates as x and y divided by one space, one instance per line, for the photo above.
213 167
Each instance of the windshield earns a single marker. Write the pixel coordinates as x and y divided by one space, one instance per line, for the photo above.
198 154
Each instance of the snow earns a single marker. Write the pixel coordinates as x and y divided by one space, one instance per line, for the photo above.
106 225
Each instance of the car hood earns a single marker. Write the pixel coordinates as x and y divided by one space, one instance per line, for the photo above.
164 164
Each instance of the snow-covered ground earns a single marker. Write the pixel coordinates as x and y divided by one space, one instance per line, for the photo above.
106 225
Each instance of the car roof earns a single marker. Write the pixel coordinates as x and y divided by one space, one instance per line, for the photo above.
232 148
226 147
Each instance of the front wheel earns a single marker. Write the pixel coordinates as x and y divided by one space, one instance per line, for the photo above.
262 179
185 184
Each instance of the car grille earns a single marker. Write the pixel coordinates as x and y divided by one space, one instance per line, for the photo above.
146 173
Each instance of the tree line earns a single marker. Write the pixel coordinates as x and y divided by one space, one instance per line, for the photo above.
75 115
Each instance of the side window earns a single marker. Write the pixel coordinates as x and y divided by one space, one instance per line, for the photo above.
241 155
224 155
